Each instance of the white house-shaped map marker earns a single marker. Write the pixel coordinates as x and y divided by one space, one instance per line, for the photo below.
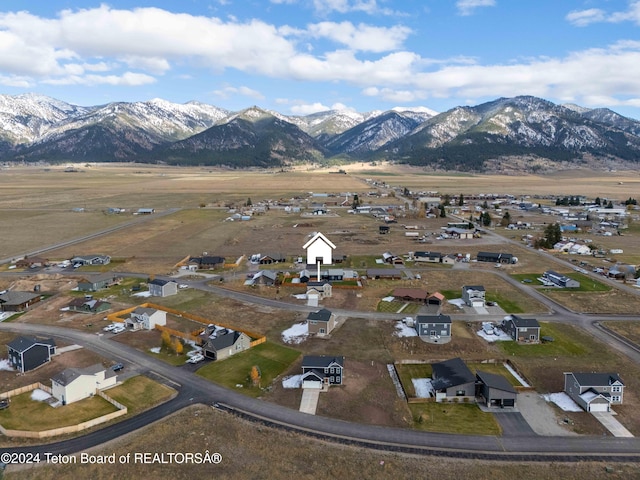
319 250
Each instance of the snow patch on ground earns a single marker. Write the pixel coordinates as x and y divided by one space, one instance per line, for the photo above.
388 299
292 381
142 294
402 330
515 375
498 335
295 334
563 401
458 302
155 350
423 387
5 365
39 395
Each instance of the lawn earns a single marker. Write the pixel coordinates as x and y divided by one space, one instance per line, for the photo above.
32 415
587 284
507 303
408 371
140 393
270 358
460 418
564 344
397 307
495 368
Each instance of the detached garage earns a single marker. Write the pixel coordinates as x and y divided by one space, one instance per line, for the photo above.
495 390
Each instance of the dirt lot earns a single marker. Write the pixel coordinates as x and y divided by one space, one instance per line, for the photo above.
252 451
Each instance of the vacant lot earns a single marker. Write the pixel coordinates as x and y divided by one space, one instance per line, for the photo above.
140 393
454 418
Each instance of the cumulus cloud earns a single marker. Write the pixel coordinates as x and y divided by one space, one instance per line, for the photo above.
361 37
468 7
346 6
583 18
229 92
303 108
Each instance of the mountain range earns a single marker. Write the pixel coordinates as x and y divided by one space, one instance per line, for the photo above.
36 128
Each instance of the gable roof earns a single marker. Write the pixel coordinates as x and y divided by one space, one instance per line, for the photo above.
437 295
321 361
451 373
68 375
17 298
417 293
524 322
323 315
144 310
222 341
433 319
477 288
493 380
160 282
596 379
427 254
21 344
316 237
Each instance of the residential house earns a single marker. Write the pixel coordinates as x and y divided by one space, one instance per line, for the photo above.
473 295
321 323
73 384
32 262
560 280
91 260
322 288
411 295
319 250
384 273
270 258
392 259
435 299
523 330
459 233
429 257
495 390
162 288
433 328
98 282
88 305
207 262
496 257
449 259
263 277
146 318
453 379
219 343
26 353
16 301
321 371
594 392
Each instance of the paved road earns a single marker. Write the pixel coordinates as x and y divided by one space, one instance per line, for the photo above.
524 447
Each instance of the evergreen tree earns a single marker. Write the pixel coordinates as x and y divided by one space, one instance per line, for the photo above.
597 201
552 235
443 212
446 201
609 205
356 201
506 218
461 200
486 219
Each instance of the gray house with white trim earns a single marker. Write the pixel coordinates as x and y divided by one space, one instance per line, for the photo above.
594 392
433 328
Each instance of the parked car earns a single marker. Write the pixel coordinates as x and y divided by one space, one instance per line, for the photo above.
110 327
488 329
198 357
118 329
4 404
117 367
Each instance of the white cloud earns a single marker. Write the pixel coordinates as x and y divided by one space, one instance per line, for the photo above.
361 37
467 7
229 92
346 6
128 79
582 18
309 108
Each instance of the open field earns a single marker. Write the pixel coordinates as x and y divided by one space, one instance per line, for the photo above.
252 451
630 330
140 393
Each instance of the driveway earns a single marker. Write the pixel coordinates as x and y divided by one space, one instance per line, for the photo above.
513 424
541 416
609 422
309 401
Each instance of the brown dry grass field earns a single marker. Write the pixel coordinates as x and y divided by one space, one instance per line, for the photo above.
252 451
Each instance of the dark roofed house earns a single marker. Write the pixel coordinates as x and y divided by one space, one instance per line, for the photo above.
523 330
91 260
560 280
431 257
88 305
388 273
495 257
496 390
98 282
26 353
221 343
208 262
162 288
320 371
594 392
32 262
473 295
321 322
270 258
433 328
453 379
15 301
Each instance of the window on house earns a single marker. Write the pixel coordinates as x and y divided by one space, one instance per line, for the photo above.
615 398
616 389
338 379
460 393
532 337
322 330
326 370
331 379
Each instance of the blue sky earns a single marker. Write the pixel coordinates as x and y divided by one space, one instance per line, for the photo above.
304 56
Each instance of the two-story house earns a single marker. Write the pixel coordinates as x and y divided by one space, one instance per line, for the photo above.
594 392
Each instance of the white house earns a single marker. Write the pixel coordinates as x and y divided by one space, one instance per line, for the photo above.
73 384
162 288
146 318
319 250
473 295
